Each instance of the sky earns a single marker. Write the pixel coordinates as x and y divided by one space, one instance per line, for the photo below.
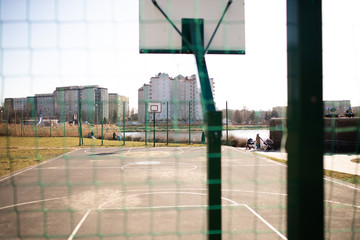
46 44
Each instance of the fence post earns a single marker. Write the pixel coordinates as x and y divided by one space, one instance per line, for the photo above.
167 123
227 125
123 122
189 125
305 205
145 123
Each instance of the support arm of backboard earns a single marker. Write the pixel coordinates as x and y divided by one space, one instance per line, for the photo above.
217 26
173 25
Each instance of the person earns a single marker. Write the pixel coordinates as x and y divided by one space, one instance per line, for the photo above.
258 138
114 136
203 137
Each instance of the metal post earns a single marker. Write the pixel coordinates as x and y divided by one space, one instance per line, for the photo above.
15 123
123 123
102 123
145 123
22 115
189 125
167 123
50 121
213 141
227 125
214 129
305 205
79 121
154 128
193 42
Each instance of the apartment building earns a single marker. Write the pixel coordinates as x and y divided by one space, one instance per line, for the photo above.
45 103
64 104
93 99
143 99
118 107
179 96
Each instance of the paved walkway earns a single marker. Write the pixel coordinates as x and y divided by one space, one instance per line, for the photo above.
335 162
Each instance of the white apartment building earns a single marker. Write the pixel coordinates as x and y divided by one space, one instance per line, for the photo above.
143 99
64 104
179 96
118 105
94 103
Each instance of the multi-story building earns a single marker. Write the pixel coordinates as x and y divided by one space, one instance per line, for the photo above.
179 96
45 103
143 99
118 107
65 103
93 99
17 108
339 107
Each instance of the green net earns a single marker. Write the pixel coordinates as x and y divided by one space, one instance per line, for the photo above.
76 164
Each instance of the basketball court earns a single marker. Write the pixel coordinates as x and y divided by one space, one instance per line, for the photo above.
151 193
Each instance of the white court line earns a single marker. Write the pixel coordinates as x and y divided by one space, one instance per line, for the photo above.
344 204
233 203
79 224
266 222
342 184
35 166
248 165
31 202
284 165
69 168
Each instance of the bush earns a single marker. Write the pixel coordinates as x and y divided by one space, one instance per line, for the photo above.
234 141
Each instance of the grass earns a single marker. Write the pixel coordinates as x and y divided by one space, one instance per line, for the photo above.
17 153
17 159
350 178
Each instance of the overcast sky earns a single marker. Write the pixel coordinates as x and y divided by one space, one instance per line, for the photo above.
45 44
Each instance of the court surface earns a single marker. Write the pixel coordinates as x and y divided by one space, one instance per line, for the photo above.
157 193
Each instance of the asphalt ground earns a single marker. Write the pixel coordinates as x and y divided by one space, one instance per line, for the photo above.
158 193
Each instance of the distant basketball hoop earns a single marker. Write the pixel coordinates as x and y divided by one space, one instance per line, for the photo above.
154 107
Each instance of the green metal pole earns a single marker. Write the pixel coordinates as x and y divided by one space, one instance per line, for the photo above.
123 123
193 40
22 115
154 128
167 123
50 121
213 130
145 123
102 124
189 125
79 122
7 125
305 187
227 125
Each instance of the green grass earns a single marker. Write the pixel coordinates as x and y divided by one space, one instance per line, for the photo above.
17 153
350 178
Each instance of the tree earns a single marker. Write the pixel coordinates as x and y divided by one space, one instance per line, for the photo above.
252 117
133 115
114 118
267 116
274 114
237 118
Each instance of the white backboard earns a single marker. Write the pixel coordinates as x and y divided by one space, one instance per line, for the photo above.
154 107
158 36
